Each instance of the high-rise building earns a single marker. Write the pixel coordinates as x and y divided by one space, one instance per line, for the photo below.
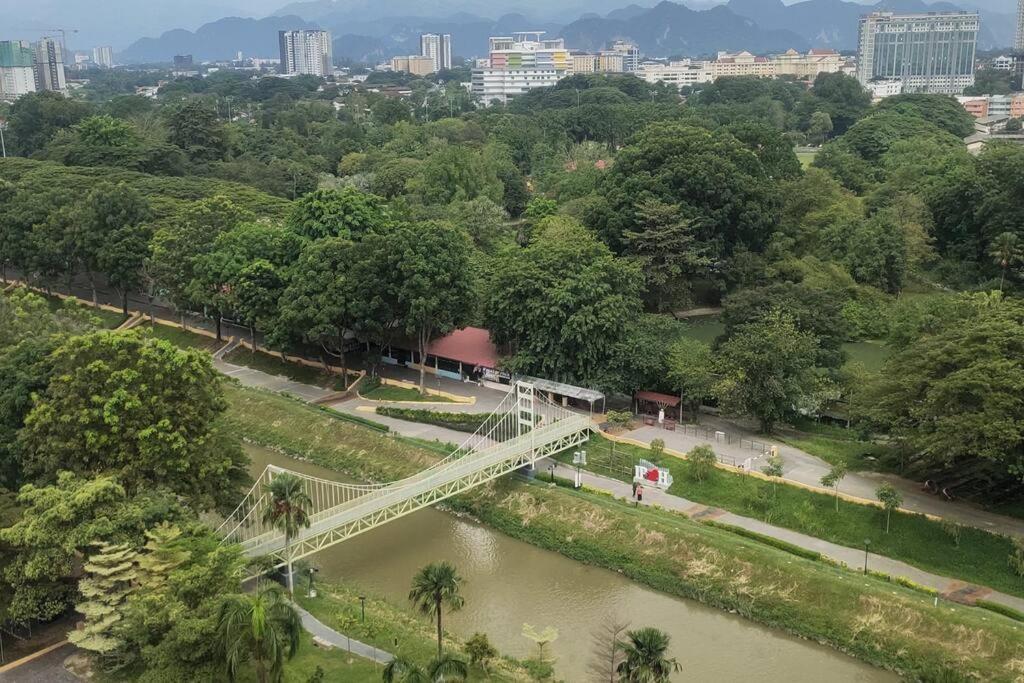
929 52
519 63
103 56
17 69
630 55
50 65
182 62
439 48
1018 43
306 52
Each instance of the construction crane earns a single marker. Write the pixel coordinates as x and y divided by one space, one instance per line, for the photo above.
63 39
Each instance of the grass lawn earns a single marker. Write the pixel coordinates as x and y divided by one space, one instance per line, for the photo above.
294 371
833 444
337 665
338 606
871 354
805 158
183 338
389 392
705 328
980 557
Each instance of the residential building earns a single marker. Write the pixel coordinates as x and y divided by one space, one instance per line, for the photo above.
929 52
630 55
49 57
17 69
103 56
604 62
615 63
741 64
417 65
182 62
883 88
584 63
983 106
680 74
438 47
1002 63
519 63
816 61
306 52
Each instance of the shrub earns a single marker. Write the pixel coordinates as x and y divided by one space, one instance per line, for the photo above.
1014 614
480 650
619 419
768 540
702 462
657 448
462 422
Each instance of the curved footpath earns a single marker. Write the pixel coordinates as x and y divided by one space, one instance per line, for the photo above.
949 588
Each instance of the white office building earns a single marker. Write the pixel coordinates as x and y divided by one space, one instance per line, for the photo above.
103 56
49 59
438 47
680 73
929 52
306 52
519 63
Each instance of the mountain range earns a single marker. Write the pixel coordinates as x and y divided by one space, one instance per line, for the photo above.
666 29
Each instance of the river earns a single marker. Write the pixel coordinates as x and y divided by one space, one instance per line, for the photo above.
509 583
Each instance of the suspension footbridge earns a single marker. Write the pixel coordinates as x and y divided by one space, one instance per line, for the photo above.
523 429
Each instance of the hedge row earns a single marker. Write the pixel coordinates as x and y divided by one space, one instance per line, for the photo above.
462 422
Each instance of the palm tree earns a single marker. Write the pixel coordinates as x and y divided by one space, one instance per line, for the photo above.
287 512
1005 251
435 585
261 625
444 669
645 657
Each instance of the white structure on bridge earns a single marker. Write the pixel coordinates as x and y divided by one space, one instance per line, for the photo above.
523 429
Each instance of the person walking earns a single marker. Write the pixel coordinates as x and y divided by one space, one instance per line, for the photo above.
635 485
639 494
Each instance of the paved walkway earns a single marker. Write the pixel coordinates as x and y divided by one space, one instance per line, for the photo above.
339 640
44 667
852 557
805 468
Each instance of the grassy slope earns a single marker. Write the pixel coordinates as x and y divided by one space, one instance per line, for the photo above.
293 371
388 392
874 620
338 607
981 557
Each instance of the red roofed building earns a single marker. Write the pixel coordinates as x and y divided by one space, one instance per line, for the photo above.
468 352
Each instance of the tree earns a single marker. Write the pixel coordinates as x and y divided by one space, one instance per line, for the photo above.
445 668
691 368
257 290
140 408
196 129
773 470
843 98
110 573
123 257
263 626
432 281
484 221
346 213
766 369
541 638
702 461
942 110
668 252
434 587
820 126
891 499
480 650
833 477
288 511
607 651
646 657
36 117
562 304
112 236
1006 252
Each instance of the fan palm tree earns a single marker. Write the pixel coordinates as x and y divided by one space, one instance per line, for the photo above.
435 585
287 512
1005 252
646 659
262 626
444 669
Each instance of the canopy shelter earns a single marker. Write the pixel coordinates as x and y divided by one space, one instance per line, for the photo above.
582 396
468 352
653 402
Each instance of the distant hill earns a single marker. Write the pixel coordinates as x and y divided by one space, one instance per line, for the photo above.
834 23
672 29
220 39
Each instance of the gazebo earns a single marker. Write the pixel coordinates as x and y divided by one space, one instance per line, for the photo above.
653 404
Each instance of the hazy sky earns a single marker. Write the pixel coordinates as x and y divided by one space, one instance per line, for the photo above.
121 22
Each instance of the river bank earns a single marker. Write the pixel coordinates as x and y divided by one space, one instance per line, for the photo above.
876 621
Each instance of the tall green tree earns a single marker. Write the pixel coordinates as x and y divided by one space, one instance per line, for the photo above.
109 574
112 235
646 657
287 510
765 369
196 129
1006 252
691 369
435 587
261 626
668 252
138 407
346 213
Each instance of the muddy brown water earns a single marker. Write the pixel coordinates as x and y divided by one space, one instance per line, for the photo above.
509 583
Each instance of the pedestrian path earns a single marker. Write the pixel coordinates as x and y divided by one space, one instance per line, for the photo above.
339 640
852 557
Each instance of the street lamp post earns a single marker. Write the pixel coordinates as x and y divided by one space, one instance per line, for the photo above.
362 608
867 544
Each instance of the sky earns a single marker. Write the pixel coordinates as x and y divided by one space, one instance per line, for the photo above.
121 22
